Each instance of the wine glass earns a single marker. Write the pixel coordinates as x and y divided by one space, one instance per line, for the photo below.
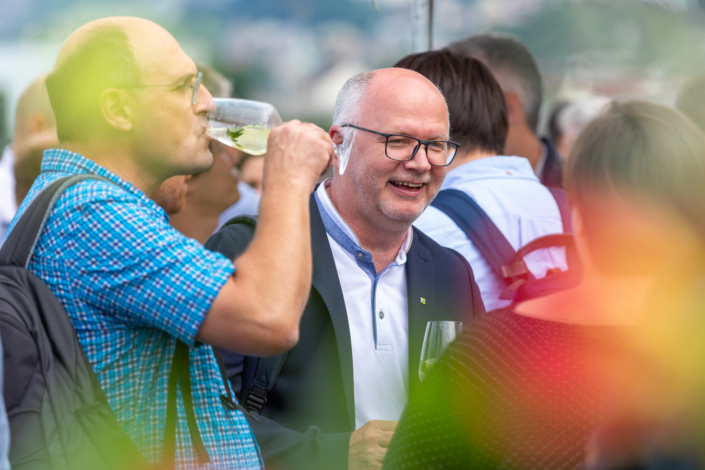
245 125
439 335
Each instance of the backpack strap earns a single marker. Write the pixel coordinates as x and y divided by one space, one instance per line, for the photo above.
562 200
19 246
483 233
266 374
560 278
180 374
249 220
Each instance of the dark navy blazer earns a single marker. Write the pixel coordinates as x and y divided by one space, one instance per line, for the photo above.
310 413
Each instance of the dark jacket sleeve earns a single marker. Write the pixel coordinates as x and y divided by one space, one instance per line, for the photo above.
282 448
478 306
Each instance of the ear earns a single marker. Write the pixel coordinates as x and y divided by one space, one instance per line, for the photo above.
38 123
117 108
514 109
335 135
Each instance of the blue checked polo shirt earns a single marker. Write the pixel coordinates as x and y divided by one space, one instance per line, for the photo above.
132 286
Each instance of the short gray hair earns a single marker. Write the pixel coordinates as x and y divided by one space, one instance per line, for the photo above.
347 104
513 66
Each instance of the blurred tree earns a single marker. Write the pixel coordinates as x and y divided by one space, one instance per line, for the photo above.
623 33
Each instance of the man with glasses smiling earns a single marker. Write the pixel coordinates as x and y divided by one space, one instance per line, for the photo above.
130 109
377 281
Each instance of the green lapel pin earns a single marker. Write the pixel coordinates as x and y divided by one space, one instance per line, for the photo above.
423 301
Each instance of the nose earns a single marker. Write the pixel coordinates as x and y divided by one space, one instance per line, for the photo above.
204 101
420 161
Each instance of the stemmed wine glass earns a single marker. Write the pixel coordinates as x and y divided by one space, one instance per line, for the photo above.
439 335
245 125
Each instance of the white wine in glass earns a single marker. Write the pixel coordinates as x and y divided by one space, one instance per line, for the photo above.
242 124
439 335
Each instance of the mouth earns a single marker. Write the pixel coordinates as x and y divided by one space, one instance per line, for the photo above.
407 188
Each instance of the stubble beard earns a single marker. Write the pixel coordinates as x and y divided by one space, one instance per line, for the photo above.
366 184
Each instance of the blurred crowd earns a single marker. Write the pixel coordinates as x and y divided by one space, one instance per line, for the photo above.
169 301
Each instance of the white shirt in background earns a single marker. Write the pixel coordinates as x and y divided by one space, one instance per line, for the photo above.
377 310
8 206
248 204
509 191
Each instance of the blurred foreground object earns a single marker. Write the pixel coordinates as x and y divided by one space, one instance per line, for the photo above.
691 100
528 386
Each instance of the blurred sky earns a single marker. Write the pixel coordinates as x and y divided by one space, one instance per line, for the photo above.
297 53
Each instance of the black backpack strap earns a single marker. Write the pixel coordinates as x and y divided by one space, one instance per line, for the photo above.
227 400
250 220
20 243
562 200
482 232
180 374
266 374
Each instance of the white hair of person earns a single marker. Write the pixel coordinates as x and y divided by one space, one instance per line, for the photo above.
349 99
347 104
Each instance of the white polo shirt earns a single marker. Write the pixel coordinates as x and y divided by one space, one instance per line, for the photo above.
377 310
509 191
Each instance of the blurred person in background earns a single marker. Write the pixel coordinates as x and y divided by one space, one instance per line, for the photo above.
251 169
572 118
209 194
35 131
517 72
130 108
377 282
553 128
691 100
505 188
171 195
527 386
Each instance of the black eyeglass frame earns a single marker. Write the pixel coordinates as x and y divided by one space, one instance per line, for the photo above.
195 85
416 149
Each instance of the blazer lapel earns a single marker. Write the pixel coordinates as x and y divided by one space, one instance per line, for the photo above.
327 284
422 304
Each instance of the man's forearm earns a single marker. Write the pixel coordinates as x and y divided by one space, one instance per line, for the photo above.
279 260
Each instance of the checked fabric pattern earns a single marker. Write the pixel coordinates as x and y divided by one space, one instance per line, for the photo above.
132 286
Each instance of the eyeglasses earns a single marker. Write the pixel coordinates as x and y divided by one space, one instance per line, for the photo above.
195 85
403 148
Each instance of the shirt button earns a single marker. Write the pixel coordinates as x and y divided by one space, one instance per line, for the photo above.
381 315
360 254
